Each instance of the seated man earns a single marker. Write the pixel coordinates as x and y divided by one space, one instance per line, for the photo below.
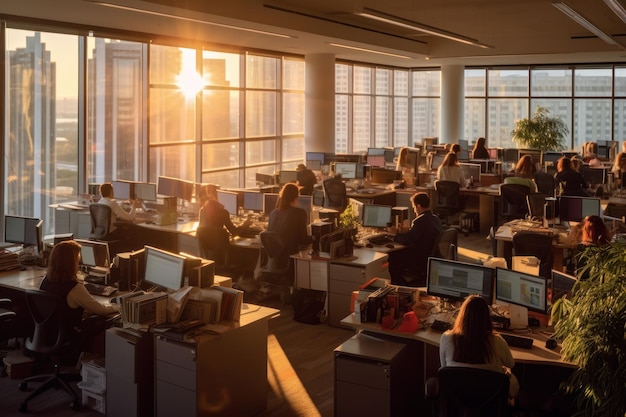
117 212
412 261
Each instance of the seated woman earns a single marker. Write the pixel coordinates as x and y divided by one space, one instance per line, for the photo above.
524 173
449 170
619 168
472 343
595 232
61 279
480 150
290 221
571 182
213 213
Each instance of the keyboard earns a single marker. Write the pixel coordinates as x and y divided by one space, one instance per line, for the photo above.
441 325
98 289
517 341
380 239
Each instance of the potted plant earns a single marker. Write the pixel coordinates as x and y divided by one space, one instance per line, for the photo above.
591 324
541 131
348 219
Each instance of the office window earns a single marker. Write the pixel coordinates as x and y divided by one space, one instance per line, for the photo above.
361 123
426 83
507 83
592 120
619 119
342 116
425 103
561 107
593 82
620 81
475 82
362 80
474 119
220 155
502 115
551 82
383 113
401 122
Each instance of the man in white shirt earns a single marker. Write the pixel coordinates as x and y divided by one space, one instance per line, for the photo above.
117 212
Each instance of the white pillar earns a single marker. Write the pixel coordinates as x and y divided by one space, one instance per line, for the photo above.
319 103
452 103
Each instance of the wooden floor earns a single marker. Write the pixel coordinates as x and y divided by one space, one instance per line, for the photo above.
300 363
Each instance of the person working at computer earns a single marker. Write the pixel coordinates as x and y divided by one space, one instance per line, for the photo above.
419 239
117 212
525 171
213 214
480 149
619 168
290 221
306 179
571 182
61 279
472 343
449 170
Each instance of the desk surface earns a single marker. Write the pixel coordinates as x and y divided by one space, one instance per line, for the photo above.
363 257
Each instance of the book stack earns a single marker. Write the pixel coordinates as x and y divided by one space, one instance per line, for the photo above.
141 308
210 305
9 260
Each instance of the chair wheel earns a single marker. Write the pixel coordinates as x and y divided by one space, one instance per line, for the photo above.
23 408
23 386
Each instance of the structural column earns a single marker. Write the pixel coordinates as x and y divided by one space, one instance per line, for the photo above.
452 103
319 104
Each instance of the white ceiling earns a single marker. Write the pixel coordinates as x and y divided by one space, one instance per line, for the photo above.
519 31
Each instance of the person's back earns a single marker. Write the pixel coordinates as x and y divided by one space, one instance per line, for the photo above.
522 181
451 173
291 224
306 180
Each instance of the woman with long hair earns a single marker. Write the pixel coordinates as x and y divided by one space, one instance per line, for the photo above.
449 170
290 221
480 149
595 232
524 173
572 182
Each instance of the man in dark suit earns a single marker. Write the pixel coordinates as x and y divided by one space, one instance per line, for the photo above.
408 266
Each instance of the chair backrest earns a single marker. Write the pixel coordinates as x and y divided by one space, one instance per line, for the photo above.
538 245
513 200
446 244
545 182
46 310
448 193
335 194
213 243
100 220
278 258
535 202
472 392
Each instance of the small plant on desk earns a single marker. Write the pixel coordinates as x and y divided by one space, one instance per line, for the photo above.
349 220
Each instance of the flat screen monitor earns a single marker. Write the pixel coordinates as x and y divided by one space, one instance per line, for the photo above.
385 176
375 151
487 166
510 155
454 280
146 191
464 144
521 289
411 160
562 284
347 170
266 179
463 155
123 190
436 160
253 201
316 156
604 148
285 176
375 215
229 200
94 253
270 201
314 164
174 187
470 170
376 160
552 157
25 231
493 153
575 209
164 269
305 202
389 154
594 176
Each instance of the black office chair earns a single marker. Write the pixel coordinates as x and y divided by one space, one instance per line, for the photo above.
446 244
513 201
538 245
545 183
535 202
100 221
7 325
49 339
448 199
276 264
335 194
468 392
213 245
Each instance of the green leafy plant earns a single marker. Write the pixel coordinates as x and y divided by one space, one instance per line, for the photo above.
591 325
541 131
348 219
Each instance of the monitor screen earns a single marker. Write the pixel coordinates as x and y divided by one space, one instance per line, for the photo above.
436 161
376 160
376 216
455 280
375 151
593 176
463 155
562 284
94 253
305 202
229 200
26 231
266 179
270 201
123 190
464 144
575 209
315 156
146 191
510 155
493 153
252 201
470 170
285 177
521 289
164 269
552 157
389 154
174 187
314 164
347 170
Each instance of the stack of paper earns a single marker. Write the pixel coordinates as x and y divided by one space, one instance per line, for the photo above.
9 260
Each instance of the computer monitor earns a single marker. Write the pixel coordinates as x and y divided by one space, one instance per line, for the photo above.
94 253
562 284
604 148
493 153
25 231
510 155
375 215
536 154
594 176
375 151
285 176
123 190
389 154
270 201
266 179
487 166
464 144
454 280
385 176
470 170
522 290
314 164
253 201
435 161
174 187
552 157
229 200
347 170
575 209
376 160
315 156
305 202
463 155
146 191
164 269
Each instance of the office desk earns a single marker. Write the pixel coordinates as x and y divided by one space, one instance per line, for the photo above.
374 195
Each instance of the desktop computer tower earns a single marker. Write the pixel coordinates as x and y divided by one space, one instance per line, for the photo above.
318 230
198 272
128 270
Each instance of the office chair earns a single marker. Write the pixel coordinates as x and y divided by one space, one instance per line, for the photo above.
448 199
538 245
513 201
335 194
446 244
7 326
100 221
49 339
276 263
546 183
213 245
468 392
535 202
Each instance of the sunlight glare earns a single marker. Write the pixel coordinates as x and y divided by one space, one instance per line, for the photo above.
189 81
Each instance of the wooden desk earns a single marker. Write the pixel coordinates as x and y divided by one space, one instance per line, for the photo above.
375 195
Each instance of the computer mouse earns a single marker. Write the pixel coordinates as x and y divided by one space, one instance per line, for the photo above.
551 343
369 245
389 245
